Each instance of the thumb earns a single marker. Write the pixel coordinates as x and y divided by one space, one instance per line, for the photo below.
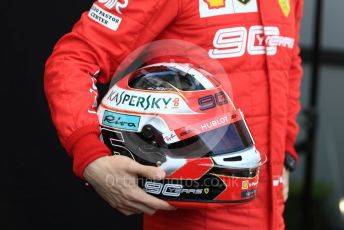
150 172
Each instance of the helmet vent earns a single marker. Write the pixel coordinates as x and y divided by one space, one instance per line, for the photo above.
237 158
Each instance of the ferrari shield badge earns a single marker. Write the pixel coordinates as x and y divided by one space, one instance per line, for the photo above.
206 190
285 6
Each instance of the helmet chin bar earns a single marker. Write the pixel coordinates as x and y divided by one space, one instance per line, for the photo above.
246 159
173 164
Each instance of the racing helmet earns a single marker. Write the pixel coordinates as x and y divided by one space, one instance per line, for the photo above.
177 116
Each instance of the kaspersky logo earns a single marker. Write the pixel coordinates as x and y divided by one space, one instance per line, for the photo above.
121 99
215 4
149 102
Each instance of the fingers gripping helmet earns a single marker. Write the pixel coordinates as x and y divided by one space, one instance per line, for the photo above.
178 117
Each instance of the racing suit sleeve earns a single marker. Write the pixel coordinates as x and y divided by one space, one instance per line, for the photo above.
295 75
90 53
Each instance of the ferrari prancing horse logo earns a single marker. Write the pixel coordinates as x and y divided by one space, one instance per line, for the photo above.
285 6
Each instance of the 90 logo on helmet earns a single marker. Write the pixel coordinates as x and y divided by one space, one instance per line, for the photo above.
211 101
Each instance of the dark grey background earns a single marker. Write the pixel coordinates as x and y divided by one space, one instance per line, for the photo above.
329 171
40 191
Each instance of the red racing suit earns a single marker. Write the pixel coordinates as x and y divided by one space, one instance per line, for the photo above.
256 41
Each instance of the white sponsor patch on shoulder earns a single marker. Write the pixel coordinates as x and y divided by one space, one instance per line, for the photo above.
104 17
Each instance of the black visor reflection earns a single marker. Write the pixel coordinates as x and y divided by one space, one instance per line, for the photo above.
227 139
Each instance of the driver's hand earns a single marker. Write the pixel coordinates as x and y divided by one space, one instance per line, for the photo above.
115 180
285 184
